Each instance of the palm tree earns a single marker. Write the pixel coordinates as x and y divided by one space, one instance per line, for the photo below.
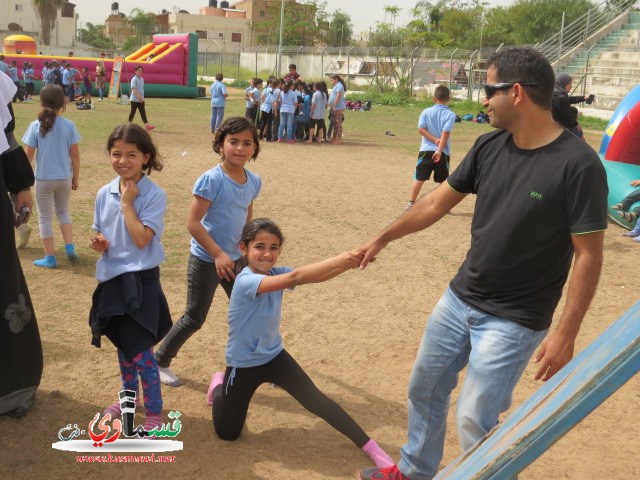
47 10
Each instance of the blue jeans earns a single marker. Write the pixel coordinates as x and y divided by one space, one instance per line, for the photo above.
286 121
216 118
497 352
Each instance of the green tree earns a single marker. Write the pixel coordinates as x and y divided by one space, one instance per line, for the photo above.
305 23
144 25
340 30
47 12
94 35
384 35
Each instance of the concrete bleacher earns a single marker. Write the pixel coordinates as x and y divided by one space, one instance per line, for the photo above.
613 67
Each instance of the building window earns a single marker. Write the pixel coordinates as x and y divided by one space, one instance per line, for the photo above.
221 35
236 37
202 34
263 14
18 7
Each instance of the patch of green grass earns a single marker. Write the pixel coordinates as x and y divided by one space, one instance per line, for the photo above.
592 123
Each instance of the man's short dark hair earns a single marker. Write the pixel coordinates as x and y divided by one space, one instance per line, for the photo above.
442 93
521 64
293 66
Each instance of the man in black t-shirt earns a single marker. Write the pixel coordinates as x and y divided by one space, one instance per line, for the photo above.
541 198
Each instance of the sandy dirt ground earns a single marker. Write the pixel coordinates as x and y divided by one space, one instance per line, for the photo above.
356 335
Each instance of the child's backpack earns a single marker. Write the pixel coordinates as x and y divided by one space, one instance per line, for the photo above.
83 106
124 99
482 118
367 106
468 117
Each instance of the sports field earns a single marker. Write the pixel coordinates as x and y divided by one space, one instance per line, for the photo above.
356 335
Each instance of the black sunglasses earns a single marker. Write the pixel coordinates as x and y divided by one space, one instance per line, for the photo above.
491 88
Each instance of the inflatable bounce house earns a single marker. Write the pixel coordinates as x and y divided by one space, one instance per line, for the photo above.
620 153
171 72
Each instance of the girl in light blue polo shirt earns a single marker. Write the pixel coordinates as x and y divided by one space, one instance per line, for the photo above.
128 306
222 203
54 142
255 353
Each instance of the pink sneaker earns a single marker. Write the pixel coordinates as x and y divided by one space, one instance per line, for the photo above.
216 379
291 141
152 421
149 127
281 140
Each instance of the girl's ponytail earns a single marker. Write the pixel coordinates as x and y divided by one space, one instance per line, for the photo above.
52 100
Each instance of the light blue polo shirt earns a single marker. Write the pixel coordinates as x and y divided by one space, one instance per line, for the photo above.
334 93
123 255
13 73
218 91
227 213
254 95
4 68
288 100
254 321
268 98
53 161
28 75
435 120
68 76
137 83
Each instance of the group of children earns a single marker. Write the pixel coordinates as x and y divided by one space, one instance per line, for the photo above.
64 75
228 248
286 110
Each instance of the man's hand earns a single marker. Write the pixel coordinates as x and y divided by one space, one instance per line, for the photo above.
225 267
554 353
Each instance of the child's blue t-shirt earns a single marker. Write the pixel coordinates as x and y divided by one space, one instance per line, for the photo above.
268 98
218 92
334 93
123 255
435 120
137 83
288 101
227 213
320 101
53 161
254 321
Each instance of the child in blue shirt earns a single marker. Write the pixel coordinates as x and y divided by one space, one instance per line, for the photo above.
129 306
255 353
53 140
266 109
435 125
222 203
252 95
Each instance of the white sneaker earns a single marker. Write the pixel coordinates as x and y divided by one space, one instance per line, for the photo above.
24 231
168 377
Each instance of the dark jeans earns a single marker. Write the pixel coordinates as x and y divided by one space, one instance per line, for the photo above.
138 106
266 118
275 124
231 399
630 199
202 281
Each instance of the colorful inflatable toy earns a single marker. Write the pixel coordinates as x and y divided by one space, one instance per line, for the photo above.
172 72
620 152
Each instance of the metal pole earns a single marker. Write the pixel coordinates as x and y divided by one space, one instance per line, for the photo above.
239 53
586 30
470 80
279 56
322 62
561 37
206 58
451 68
378 62
221 56
298 55
257 59
411 76
348 65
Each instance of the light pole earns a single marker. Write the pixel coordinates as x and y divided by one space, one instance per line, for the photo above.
279 56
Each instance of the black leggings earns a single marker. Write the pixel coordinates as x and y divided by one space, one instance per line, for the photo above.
231 401
138 106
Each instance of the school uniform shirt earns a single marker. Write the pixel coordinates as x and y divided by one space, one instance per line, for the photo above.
334 93
249 92
53 161
227 214
268 99
13 73
288 101
218 91
275 95
137 83
28 75
4 68
68 76
44 76
436 120
254 321
123 255
320 102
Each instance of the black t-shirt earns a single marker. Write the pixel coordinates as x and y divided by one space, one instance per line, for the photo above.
529 203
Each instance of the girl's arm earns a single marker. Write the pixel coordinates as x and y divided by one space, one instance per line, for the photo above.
140 233
250 212
313 273
30 151
335 102
74 152
197 210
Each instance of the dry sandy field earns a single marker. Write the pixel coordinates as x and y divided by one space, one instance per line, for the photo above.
356 335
